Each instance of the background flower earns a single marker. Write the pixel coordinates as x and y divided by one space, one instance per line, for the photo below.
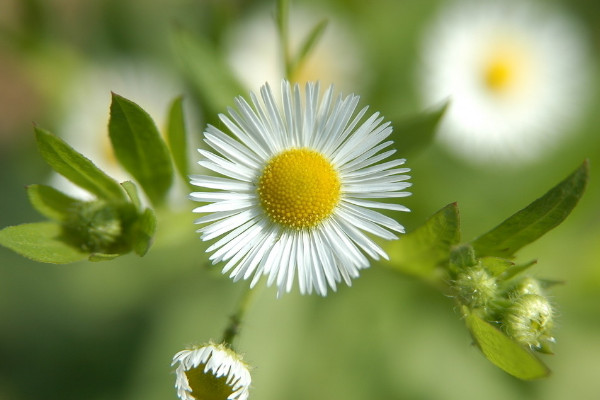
515 73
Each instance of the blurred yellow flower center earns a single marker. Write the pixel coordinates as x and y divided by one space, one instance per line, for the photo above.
299 188
506 66
499 74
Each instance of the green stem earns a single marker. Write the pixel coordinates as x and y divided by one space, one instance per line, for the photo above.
235 320
283 27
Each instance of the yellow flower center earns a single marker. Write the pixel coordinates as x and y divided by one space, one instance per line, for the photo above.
299 188
498 74
206 386
506 68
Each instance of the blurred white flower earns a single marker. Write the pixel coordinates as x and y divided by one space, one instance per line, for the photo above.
293 198
515 73
255 54
211 372
86 106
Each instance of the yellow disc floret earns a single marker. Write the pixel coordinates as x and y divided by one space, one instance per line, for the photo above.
499 74
299 188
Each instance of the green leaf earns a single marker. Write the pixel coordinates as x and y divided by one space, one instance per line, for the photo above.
50 202
308 45
497 266
503 352
41 241
208 72
75 167
144 232
536 219
421 251
139 148
177 138
413 134
133 194
516 269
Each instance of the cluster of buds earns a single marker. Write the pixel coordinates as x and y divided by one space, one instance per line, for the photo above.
517 305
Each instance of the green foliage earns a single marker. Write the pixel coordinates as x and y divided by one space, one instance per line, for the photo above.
503 351
415 133
115 222
177 138
207 71
139 148
536 219
419 253
507 315
75 167
42 242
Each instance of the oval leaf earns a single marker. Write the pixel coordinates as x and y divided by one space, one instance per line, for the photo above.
503 352
421 251
75 167
139 147
41 241
177 138
536 219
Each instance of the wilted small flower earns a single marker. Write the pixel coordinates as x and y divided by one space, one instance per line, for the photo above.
476 287
211 372
529 320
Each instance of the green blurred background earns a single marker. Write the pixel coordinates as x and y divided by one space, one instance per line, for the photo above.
109 330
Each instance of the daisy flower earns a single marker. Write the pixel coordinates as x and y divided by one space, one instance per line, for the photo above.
293 198
515 75
211 372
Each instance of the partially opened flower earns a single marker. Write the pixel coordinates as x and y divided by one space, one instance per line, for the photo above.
211 372
293 198
514 72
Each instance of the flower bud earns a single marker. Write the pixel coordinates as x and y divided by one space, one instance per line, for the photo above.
529 320
476 287
527 285
211 372
95 225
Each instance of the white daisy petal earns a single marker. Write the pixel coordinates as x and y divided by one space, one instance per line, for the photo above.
292 202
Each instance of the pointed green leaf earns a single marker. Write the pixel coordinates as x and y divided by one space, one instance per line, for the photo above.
503 351
75 167
497 266
177 138
516 269
536 219
208 72
311 40
42 242
413 134
50 202
133 194
139 147
144 232
421 251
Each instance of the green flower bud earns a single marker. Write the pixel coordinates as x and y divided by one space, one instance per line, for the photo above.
94 225
476 287
211 372
529 320
527 285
